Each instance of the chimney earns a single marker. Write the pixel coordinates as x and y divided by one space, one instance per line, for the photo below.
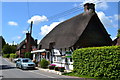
31 27
89 6
28 36
36 42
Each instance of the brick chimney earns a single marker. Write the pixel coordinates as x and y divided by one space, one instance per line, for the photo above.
89 6
28 38
36 42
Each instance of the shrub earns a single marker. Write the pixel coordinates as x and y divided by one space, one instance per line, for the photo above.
27 55
61 69
12 55
6 55
56 68
101 62
44 63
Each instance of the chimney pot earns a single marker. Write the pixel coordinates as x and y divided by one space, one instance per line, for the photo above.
88 6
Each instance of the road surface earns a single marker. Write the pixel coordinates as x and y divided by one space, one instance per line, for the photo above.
10 71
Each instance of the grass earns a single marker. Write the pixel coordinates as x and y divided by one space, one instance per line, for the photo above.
84 76
76 75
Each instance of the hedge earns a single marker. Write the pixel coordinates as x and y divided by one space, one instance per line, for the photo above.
13 55
103 62
6 55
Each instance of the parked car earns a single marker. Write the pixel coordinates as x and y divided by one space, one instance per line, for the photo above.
25 63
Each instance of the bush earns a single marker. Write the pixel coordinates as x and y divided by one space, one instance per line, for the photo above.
61 69
101 62
56 68
6 55
52 66
27 55
12 55
44 63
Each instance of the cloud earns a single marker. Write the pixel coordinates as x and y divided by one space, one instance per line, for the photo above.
38 41
12 23
99 4
14 43
47 28
106 20
116 17
37 19
18 37
25 31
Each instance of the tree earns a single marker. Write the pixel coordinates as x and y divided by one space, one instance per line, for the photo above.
2 40
7 49
118 35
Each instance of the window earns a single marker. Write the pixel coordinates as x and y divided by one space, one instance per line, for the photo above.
24 46
70 59
55 58
66 60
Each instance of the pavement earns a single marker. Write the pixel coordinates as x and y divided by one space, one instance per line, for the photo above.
9 70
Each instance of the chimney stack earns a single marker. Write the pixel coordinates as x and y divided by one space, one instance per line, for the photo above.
89 6
31 27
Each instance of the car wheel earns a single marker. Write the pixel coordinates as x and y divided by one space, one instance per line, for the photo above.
17 66
22 67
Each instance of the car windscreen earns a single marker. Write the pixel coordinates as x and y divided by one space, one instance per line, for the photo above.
26 60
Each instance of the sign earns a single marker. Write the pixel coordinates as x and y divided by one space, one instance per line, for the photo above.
43 54
68 54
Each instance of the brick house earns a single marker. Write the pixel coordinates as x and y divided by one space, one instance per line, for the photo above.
27 45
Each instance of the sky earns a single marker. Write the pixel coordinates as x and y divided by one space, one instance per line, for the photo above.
16 17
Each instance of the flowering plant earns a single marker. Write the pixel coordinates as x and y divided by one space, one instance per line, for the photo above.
52 66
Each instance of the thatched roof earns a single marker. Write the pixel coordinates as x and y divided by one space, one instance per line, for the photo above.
77 31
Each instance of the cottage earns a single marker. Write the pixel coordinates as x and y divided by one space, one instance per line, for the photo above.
83 30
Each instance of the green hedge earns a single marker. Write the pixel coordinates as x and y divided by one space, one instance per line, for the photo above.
6 55
13 55
103 62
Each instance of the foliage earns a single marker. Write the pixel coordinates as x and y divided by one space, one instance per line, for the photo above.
27 55
44 63
6 55
101 62
118 35
7 49
61 69
81 76
3 41
52 66
13 55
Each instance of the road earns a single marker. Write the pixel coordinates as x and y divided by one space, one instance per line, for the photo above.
10 71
